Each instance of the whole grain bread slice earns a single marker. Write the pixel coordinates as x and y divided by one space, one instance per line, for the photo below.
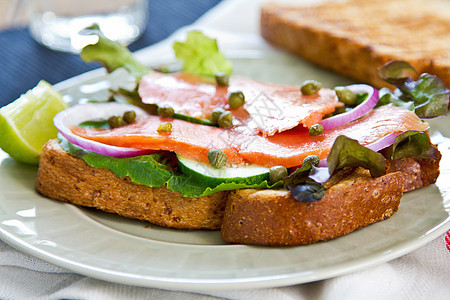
264 217
64 177
354 38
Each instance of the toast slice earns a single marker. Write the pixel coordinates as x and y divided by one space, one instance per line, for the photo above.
264 217
64 177
353 38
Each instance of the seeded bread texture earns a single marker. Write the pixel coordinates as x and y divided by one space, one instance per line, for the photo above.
354 38
263 217
69 179
274 218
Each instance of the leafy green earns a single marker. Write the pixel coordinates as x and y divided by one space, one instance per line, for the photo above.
427 96
349 153
396 72
110 54
201 55
155 170
386 97
303 185
309 191
299 175
411 144
193 119
98 123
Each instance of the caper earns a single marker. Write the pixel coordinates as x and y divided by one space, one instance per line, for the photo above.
225 120
222 79
346 96
215 114
165 111
129 116
115 121
277 173
340 110
217 158
312 159
316 129
236 99
310 87
166 127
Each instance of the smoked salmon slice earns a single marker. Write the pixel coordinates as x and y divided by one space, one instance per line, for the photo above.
269 108
288 148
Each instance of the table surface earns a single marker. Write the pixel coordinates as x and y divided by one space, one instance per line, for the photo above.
24 62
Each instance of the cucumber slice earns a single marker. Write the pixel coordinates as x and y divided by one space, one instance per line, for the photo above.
249 174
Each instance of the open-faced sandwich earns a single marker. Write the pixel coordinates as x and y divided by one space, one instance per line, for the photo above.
266 164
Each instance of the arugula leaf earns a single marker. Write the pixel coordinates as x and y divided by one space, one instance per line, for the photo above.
427 95
154 170
411 144
110 54
346 152
201 55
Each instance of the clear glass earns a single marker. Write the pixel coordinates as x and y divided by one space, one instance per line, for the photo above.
56 24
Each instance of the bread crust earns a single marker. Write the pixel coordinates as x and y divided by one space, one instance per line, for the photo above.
275 218
263 217
355 38
69 179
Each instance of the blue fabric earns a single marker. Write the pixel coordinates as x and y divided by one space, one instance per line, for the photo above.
23 62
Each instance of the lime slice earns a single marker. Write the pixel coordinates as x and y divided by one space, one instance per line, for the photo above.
27 123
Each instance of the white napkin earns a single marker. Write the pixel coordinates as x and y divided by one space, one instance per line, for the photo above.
422 274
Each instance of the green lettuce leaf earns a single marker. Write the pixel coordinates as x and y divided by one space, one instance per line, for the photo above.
349 153
112 55
427 96
155 170
411 144
201 55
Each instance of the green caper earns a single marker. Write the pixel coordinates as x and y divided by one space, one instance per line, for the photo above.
340 110
217 158
346 96
277 173
310 87
215 114
165 111
225 120
312 159
316 129
166 127
236 99
115 121
129 116
222 79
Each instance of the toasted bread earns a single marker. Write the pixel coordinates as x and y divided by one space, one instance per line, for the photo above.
275 218
265 217
67 178
354 38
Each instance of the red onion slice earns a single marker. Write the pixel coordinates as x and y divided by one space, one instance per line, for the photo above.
356 112
85 112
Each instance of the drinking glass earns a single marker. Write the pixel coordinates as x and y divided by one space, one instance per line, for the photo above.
56 24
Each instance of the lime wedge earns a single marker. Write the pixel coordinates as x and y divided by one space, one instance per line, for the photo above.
27 123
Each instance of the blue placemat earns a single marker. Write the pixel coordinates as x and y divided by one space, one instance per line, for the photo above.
23 62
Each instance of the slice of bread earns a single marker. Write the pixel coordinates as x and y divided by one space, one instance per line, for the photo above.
264 217
354 38
64 177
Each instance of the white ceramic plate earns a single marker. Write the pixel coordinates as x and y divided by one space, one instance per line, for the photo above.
112 248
